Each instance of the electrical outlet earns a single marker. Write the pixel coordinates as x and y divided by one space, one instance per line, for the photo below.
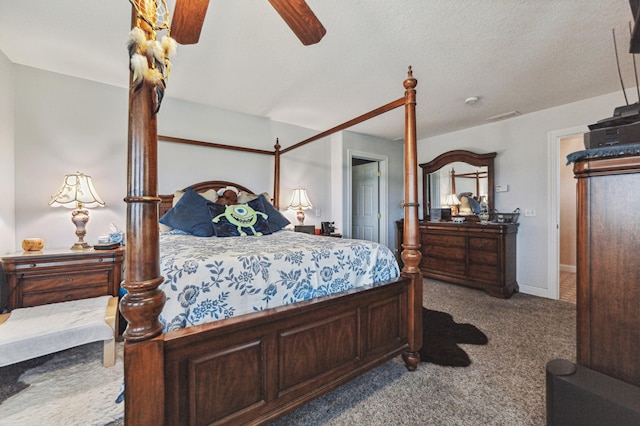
502 188
530 212
318 212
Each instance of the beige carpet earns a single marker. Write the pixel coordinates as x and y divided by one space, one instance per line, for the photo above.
71 388
504 385
568 286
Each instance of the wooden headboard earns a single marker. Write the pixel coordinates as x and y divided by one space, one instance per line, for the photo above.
166 201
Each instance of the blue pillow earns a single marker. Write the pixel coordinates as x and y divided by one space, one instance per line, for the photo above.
276 220
475 205
190 214
223 227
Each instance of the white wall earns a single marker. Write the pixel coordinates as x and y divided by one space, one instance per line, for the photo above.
393 151
7 157
522 163
64 124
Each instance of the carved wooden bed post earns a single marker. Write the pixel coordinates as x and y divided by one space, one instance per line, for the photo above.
411 254
276 177
141 306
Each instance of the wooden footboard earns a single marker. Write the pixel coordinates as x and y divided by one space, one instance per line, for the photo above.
254 368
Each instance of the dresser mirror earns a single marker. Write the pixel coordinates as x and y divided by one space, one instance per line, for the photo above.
465 174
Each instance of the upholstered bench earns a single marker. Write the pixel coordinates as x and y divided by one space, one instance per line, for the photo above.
31 332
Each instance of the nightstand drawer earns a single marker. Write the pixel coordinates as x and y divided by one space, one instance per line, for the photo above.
66 281
62 295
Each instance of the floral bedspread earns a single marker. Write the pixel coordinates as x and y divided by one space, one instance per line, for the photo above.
206 279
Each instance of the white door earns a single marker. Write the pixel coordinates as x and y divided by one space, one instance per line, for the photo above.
365 221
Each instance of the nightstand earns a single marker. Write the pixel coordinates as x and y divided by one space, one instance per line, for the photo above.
59 275
307 229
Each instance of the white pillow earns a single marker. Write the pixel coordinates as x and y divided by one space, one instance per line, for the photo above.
209 194
245 197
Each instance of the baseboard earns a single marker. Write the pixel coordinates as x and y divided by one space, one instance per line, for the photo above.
568 268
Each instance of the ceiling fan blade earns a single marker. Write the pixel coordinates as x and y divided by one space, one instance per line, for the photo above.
188 17
301 20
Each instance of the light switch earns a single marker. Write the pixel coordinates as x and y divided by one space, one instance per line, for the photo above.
502 188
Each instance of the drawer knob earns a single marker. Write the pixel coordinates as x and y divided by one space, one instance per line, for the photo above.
33 265
69 279
100 260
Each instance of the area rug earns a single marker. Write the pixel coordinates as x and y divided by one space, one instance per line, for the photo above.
441 336
68 388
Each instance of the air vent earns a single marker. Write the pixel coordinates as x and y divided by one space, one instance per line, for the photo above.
504 116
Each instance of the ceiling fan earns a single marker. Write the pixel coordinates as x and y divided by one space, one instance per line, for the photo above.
188 17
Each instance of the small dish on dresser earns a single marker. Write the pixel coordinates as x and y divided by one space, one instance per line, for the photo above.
457 219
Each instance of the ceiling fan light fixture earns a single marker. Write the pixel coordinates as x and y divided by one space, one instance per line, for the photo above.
471 100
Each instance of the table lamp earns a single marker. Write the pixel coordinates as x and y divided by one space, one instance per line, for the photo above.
453 202
77 192
300 201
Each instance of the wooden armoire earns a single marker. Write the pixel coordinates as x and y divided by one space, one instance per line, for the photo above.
608 264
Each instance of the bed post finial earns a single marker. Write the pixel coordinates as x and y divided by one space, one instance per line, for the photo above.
410 82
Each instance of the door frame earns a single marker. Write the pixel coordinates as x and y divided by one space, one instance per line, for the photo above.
383 160
553 250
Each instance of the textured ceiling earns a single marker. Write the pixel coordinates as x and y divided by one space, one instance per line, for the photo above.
524 55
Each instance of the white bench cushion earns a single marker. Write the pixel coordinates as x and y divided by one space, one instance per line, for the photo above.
41 330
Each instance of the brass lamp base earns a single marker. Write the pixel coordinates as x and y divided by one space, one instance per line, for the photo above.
79 246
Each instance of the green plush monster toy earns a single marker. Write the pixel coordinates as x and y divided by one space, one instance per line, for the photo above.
242 216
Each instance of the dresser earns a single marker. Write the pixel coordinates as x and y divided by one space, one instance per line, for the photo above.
470 253
49 276
608 263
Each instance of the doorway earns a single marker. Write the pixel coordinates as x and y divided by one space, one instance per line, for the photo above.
360 157
568 231
365 203
562 214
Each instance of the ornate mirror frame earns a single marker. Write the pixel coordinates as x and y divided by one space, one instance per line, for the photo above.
478 160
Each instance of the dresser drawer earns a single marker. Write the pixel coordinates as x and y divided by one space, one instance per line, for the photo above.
447 266
484 273
442 240
483 244
483 257
443 253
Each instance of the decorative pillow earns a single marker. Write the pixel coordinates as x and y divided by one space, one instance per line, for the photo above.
190 214
209 194
475 205
276 220
239 219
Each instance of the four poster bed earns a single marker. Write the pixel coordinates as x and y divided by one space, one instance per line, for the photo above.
253 368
